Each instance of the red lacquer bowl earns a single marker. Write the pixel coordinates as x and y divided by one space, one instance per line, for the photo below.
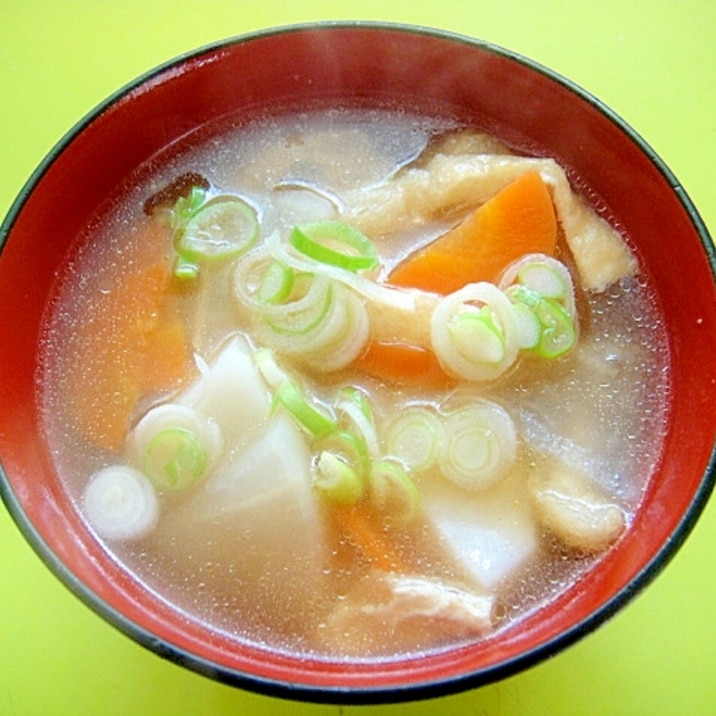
428 71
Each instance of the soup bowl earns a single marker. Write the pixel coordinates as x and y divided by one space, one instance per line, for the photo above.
365 65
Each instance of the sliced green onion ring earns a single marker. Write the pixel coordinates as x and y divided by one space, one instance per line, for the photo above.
543 278
355 406
335 244
337 481
480 445
309 417
471 343
476 336
393 492
348 446
529 326
288 394
322 322
187 206
176 458
341 338
304 307
558 332
375 292
276 284
222 227
175 446
546 328
544 274
307 312
120 503
415 437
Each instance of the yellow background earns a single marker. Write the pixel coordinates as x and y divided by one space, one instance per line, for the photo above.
652 61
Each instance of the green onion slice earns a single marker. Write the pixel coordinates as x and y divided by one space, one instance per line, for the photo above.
175 445
309 417
175 459
289 301
542 277
276 283
474 332
480 445
415 437
530 328
185 269
120 503
335 244
558 332
288 394
476 336
222 227
335 480
355 408
348 446
188 205
546 328
393 492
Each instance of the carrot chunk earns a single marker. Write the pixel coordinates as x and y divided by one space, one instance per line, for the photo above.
131 344
167 357
402 363
367 538
518 220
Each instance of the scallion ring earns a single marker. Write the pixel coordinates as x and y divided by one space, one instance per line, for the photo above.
276 284
393 492
545 275
120 503
335 480
175 446
222 227
474 332
415 436
558 332
354 407
335 244
480 445
288 394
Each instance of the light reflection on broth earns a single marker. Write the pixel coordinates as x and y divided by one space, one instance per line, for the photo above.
246 538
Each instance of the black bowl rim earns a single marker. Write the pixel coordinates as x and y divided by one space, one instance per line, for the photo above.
363 695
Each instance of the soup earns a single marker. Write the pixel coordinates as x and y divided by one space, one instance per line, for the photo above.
354 383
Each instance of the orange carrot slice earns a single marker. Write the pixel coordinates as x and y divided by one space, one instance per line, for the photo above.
402 363
129 345
167 357
367 538
518 220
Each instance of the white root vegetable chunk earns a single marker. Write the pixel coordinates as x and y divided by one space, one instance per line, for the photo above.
385 612
257 518
488 535
455 183
573 509
120 503
231 392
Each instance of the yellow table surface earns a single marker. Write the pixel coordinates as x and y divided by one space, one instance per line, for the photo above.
652 61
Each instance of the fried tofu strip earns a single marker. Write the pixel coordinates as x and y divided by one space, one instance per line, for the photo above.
448 184
388 611
568 505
